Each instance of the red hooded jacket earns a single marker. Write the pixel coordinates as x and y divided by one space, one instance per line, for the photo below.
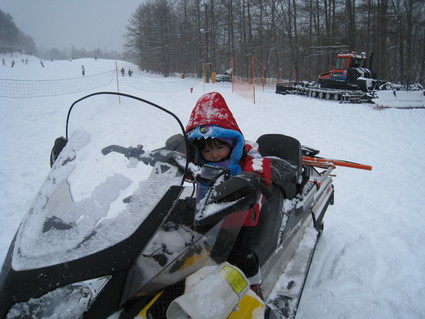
211 117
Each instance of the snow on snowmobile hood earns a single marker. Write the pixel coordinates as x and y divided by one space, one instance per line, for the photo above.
92 201
212 118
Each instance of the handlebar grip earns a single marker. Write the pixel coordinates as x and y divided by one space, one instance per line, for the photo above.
126 151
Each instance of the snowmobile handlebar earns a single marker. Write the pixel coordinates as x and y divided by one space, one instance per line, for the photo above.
128 152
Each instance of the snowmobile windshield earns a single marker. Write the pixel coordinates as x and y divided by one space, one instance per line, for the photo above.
100 189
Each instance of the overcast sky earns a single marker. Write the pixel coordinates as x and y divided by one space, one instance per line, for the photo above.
60 24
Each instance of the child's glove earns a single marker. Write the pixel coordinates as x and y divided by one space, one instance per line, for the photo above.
245 184
59 145
257 181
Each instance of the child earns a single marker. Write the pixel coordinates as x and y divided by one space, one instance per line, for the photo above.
214 131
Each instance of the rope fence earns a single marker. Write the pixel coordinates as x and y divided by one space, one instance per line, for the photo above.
171 86
39 88
42 88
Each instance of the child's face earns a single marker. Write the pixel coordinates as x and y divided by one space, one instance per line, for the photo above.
215 153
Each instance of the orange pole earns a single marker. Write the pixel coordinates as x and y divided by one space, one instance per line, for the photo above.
253 76
262 75
252 69
233 71
324 161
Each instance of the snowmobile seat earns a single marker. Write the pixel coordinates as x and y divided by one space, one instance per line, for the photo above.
286 160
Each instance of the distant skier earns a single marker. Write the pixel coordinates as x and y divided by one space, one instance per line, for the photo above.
42 64
122 71
83 70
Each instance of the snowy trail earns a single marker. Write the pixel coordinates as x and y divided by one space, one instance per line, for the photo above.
369 257
370 260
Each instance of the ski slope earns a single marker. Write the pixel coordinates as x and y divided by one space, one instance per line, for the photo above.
370 260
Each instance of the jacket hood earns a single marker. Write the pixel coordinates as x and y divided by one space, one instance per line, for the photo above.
212 118
212 109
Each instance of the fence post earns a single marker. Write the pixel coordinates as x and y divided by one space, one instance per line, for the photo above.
253 76
118 85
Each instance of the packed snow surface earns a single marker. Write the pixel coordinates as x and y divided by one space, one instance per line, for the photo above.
370 260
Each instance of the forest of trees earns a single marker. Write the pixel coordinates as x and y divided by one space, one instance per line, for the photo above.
11 38
290 39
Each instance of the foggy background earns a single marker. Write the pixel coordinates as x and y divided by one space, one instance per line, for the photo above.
88 24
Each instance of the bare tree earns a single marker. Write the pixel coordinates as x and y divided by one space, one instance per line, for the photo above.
291 38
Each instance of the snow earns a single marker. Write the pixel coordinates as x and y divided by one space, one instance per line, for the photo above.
370 259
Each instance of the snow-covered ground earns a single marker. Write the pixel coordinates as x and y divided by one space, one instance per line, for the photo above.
370 262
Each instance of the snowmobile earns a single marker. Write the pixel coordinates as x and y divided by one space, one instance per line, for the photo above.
142 232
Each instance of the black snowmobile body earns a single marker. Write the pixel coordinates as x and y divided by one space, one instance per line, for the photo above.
117 236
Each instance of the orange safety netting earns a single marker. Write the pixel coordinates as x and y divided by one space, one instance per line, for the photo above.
243 87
